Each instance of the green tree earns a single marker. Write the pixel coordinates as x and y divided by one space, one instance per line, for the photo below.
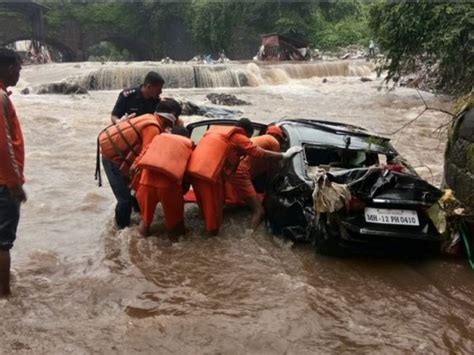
440 33
338 24
211 23
233 26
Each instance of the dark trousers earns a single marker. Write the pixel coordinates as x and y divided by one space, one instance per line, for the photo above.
119 185
9 218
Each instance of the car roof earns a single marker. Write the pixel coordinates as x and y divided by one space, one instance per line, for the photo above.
320 132
333 134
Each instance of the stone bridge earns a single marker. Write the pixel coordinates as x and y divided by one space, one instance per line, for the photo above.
22 23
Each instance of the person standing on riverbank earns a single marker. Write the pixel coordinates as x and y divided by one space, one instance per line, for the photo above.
139 100
371 49
12 157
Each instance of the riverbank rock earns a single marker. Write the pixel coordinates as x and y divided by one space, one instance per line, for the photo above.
226 100
459 158
62 88
424 76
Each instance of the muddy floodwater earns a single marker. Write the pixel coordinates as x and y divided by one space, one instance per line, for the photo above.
81 286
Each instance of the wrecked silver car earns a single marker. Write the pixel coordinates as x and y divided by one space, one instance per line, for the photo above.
350 191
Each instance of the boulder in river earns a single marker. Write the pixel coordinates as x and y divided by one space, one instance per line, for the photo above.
192 109
226 99
62 88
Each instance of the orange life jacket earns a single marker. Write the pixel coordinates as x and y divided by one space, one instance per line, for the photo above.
122 142
208 159
167 154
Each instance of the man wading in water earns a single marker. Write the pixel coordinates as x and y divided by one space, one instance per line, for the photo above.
12 157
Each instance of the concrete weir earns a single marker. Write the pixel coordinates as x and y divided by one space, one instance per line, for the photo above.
220 75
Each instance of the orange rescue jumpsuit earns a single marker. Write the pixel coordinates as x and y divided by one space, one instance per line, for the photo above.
155 187
210 196
240 187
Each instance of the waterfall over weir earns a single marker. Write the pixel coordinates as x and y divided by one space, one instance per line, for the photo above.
221 75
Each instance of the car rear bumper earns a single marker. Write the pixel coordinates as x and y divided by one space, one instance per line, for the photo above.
417 233
356 223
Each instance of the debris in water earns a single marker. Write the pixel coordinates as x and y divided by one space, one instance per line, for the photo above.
167 60
25 91
190 109
62 88
226 99
364 79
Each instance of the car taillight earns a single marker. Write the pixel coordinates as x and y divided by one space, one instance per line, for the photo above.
355 204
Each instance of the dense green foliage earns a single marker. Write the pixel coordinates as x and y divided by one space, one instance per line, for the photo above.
325 25
341 24
220 25
437 33
106 51
93 15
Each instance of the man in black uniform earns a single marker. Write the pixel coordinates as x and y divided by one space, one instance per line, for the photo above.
139 100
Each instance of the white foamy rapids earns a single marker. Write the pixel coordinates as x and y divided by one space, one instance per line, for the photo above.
206 76
284 73
175 76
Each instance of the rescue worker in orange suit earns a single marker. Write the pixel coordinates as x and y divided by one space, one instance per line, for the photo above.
120 144
271 140
240 184
12 158
161 169
139 100
215 160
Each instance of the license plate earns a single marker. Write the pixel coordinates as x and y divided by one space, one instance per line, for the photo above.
391 216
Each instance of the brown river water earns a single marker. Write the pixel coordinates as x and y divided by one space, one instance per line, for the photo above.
80 286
